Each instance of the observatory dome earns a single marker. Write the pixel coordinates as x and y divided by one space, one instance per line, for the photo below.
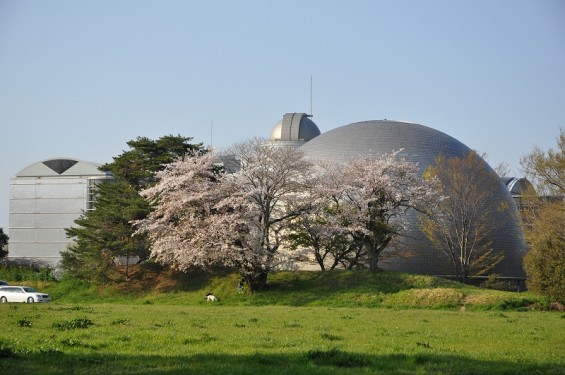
295 129
518 186
421 144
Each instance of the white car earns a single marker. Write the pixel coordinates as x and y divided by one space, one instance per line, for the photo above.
22 294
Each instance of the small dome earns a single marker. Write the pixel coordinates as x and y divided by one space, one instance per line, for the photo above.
295 127
518 186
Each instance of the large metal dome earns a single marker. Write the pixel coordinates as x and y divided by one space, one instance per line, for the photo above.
422 145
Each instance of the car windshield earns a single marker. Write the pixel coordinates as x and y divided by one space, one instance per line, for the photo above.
30 290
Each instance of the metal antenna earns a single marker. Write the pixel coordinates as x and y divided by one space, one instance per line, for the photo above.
211 133
311 111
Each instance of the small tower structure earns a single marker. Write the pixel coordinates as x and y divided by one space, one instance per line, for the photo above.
294 130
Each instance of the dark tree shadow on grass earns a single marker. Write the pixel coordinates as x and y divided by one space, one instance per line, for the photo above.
326 361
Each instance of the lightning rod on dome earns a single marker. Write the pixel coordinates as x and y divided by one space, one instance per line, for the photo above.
211 147
311 111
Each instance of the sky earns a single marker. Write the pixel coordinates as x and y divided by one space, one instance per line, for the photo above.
78 78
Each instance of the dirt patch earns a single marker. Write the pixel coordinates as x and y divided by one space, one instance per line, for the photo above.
147 278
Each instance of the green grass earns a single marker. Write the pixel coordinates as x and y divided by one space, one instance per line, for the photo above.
17 274
175 339
330 289
343 322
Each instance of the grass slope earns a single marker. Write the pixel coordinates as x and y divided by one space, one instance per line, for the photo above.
339 288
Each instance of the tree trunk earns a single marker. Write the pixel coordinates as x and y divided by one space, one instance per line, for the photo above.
373 251
373 261
464 275
127 265
257 281
320 260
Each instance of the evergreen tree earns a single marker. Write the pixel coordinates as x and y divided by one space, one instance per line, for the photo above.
3 242
105 234
145 157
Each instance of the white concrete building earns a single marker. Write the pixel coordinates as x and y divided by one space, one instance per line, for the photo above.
45 198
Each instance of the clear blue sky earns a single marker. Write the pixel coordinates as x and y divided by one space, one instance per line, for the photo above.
79 79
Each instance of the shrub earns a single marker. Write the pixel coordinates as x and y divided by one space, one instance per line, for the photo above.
29 270
520 304
24 322
494 282
73 324
545 261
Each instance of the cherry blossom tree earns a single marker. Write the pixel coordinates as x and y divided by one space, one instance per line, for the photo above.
318 231
363 205
181 225
324 229
271 189
203 216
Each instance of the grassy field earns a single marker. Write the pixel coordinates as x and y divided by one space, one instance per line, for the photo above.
305 323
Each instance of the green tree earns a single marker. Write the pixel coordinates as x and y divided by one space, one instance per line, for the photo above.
138 165
546 169
545 261
105 233
545 221
3 243
459 225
